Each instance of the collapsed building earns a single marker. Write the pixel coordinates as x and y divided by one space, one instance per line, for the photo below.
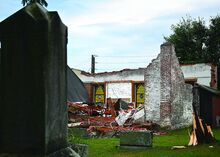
128 84
161 87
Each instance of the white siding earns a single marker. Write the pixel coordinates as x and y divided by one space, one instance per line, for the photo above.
200 71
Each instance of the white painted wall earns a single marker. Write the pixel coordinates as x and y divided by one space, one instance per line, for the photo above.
131 74
153 84
119 90
201 71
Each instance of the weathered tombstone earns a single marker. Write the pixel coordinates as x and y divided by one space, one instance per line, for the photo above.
136 139
0 53
33 111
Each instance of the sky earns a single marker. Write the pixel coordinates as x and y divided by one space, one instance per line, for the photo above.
122 34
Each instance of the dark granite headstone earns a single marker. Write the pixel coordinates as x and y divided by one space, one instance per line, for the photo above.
136 139
33 110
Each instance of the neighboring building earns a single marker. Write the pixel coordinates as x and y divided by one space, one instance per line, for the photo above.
128 84
207 104
205 74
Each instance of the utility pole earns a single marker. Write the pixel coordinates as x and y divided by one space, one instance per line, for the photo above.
93 64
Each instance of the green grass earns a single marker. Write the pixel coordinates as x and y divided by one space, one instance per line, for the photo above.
106 147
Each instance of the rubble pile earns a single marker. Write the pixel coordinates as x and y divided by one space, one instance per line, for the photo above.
100 121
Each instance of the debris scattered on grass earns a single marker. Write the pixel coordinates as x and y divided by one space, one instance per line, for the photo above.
100 121
178 147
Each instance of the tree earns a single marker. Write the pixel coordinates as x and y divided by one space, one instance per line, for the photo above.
213 41
189 37
41 2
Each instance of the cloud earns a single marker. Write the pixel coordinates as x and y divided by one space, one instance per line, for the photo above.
96 20
128 12
112 27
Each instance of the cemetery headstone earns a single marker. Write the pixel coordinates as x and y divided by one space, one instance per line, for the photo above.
136 139
33 110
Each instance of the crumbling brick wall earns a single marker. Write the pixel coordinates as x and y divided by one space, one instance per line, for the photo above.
152 90
168 100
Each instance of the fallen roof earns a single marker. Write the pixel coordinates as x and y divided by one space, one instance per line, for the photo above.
76 91
209 89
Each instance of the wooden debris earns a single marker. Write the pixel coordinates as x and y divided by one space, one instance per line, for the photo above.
74 124
178 147
193 139
201 132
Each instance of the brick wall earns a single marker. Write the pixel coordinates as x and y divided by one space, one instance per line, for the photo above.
165 85
213 82
168 100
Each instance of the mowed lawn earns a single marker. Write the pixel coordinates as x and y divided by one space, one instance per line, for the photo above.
106 147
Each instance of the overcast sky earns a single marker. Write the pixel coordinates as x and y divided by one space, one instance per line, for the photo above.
122 33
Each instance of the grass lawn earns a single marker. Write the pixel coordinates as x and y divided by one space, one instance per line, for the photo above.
106 147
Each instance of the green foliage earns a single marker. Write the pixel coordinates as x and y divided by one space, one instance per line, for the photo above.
41 2
75 137
195 42
213 42
106 147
